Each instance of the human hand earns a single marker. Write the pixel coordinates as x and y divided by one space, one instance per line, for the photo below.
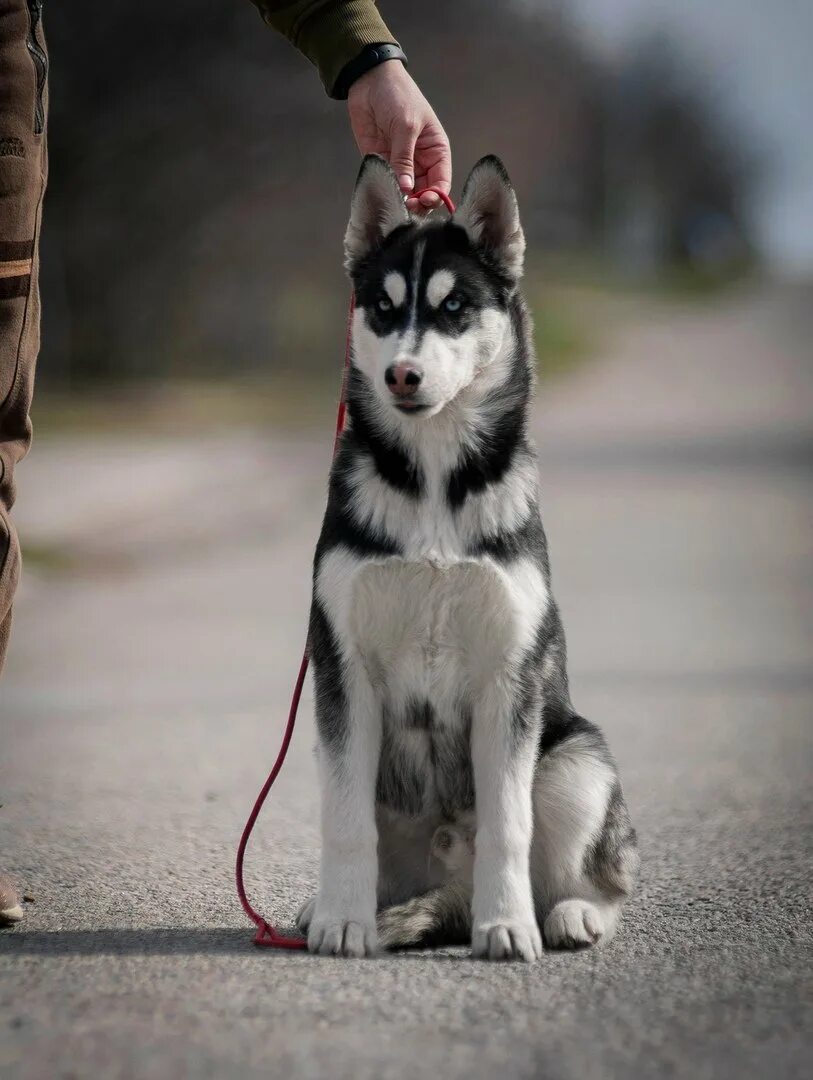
391 117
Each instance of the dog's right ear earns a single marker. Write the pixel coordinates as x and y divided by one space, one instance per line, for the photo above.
376 209
488 212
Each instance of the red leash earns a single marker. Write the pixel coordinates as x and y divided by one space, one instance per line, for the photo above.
266 934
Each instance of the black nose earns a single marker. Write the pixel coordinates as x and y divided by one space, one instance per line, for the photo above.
402 379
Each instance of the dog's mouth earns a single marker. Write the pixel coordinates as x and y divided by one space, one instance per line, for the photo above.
410 406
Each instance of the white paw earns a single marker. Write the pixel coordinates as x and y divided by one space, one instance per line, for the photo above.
514 940
574 923
305 914
329 935
11 915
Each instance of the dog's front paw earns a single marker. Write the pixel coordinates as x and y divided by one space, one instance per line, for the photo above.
331 935
574 924
509 940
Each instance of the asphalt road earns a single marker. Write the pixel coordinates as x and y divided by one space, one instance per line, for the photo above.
149 679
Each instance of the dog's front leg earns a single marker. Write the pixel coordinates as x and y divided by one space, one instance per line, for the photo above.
344 916
503 921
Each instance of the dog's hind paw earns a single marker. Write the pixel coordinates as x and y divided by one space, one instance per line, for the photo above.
305 915
10 908
574 924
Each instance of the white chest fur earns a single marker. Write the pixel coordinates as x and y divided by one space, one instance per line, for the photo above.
428 629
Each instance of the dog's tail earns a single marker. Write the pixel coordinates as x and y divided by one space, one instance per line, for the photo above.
441 916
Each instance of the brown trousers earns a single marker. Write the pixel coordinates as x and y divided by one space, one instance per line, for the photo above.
23 172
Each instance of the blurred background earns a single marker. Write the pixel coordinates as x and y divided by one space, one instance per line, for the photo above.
194 312
200 176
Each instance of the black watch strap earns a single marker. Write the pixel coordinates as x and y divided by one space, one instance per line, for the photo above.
369 57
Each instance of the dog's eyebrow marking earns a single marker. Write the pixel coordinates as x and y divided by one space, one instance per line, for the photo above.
395 287
439 286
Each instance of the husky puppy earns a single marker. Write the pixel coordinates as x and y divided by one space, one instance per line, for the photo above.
463 798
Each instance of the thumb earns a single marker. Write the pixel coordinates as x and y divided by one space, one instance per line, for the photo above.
402 153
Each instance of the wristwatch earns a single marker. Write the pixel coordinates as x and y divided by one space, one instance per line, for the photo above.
369 57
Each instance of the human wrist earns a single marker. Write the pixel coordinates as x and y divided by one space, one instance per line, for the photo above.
370 58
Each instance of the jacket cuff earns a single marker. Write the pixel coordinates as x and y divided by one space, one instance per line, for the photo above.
332 34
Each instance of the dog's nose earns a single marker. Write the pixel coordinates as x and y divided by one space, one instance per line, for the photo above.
402 379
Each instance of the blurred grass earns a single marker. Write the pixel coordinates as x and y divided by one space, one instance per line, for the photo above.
183 406
686 283
570 320
60 560
48 558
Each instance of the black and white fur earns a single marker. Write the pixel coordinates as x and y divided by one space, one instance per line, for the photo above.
463 798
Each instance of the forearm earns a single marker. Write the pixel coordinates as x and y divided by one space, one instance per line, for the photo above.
330 33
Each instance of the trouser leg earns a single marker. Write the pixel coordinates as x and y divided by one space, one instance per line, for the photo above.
23 172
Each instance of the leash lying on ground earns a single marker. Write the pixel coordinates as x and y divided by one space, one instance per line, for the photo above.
266 933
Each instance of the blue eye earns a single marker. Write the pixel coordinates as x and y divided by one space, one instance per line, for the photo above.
452 304
384 303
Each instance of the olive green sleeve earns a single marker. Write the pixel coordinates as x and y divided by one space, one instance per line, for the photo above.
330 33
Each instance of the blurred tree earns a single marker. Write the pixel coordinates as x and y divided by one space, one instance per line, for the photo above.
187 150
677 173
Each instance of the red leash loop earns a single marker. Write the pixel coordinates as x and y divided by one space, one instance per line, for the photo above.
266 934
444 198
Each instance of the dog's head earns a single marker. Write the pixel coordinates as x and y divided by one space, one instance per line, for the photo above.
431 297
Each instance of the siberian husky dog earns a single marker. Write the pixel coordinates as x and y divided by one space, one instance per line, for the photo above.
463 798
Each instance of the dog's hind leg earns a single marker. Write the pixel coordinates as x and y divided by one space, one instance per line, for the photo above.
584 858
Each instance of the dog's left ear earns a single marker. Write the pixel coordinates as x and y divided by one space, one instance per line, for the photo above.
489 213
376 209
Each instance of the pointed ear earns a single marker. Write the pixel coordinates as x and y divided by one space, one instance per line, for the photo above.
489 213
377 207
